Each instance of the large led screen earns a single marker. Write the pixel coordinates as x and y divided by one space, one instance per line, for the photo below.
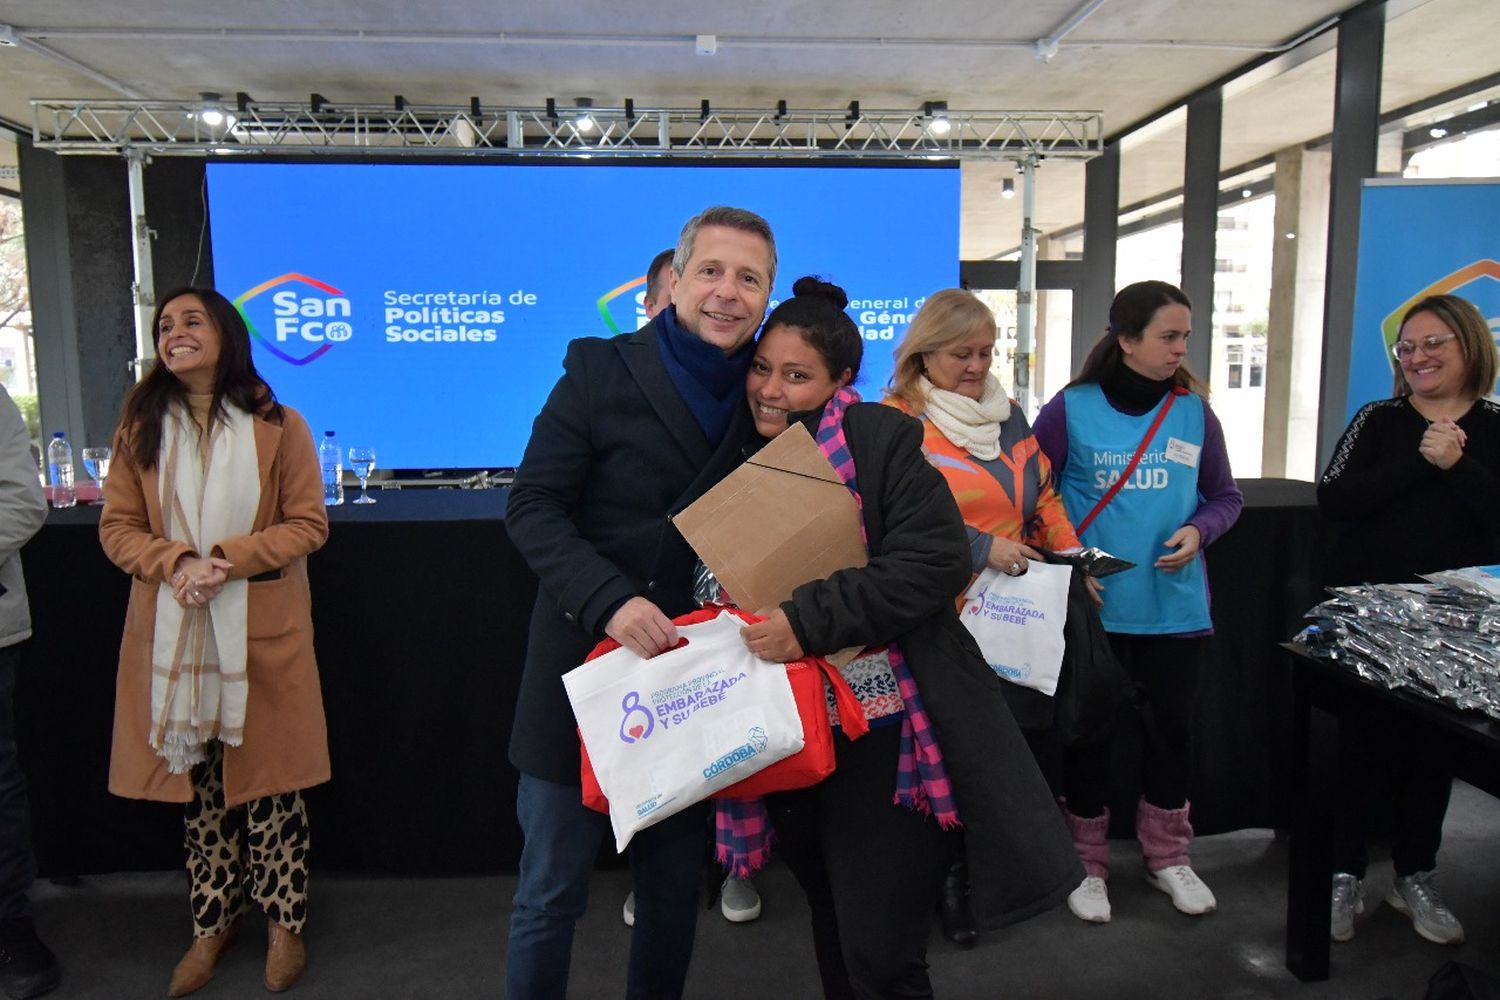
424 309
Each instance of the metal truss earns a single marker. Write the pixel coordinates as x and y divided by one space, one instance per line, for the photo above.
182 128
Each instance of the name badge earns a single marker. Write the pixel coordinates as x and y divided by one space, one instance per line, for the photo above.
1183 453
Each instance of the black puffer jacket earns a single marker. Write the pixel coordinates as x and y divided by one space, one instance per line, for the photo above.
1021 859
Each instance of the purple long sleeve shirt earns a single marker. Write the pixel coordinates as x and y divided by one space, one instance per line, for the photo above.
1222 499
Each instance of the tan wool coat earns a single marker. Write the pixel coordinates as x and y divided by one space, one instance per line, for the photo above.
286 740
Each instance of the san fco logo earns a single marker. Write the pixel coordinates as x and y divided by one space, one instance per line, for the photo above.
297 318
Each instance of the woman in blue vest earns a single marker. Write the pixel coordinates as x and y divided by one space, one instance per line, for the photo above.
1144 474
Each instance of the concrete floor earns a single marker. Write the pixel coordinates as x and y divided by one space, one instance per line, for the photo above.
118 936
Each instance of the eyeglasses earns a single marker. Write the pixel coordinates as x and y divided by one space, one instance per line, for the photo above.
1404 349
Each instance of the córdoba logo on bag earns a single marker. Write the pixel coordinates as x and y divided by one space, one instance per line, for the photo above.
755 744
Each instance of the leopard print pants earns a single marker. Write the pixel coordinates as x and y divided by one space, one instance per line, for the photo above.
259 848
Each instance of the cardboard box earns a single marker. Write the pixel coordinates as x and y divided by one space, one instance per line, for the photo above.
778 521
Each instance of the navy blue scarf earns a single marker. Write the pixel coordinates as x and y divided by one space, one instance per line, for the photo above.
711 385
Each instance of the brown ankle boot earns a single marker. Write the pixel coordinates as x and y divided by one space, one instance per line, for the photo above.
286 957
197 966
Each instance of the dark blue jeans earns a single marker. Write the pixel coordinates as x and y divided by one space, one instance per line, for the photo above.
561 841
17 865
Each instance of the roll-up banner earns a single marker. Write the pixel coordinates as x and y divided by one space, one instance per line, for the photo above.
1418 238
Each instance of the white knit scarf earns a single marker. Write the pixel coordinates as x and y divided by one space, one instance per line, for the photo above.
973 425
198 680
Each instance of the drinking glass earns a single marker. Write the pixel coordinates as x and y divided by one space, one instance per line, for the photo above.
362 461
96 463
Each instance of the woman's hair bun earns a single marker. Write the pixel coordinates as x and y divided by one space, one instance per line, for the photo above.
816 286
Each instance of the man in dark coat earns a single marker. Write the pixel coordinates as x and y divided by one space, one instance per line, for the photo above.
637 428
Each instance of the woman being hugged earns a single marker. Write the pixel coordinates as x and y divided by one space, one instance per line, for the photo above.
1430 452
982 444
867 843
212 506
1143 470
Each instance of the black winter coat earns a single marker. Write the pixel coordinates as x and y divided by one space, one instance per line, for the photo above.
1021 858
613 454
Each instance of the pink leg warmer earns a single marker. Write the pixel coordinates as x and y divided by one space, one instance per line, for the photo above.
1164 835
1090 840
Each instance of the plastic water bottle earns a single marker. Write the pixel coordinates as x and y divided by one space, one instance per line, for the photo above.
333 470
60 471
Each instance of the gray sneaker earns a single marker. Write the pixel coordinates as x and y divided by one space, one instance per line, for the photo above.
738 900
1417 896
1348 902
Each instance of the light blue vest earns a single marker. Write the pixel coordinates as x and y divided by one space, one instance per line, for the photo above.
1160 496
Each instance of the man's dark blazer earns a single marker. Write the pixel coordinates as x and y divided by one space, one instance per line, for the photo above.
613 454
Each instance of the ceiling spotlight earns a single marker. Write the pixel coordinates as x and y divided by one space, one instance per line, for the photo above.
1291 236
585 120
212 112
936 113
1437 133
1245 192
1008 188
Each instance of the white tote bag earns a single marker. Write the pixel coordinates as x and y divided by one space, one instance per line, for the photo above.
670 731
1018 622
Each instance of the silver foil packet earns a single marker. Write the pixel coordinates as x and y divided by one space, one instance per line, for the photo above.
707 589
1439 641
1093 561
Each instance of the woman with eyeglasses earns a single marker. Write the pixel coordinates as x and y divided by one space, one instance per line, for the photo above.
1415 485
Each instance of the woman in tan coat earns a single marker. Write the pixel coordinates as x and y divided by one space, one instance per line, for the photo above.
212 506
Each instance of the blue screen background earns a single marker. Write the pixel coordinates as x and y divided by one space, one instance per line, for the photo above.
565 235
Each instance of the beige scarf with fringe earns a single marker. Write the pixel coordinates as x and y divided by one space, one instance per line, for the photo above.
210 489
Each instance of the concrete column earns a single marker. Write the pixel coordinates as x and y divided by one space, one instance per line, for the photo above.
1356 131
78 251
1101 231
1200 222
1053 365
1390 155
1294 328
78 247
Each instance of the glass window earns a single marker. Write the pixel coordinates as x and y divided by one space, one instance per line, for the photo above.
17 355
1151 171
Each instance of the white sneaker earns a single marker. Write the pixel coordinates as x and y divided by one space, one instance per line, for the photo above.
629 910
1090 901
1417 896
1187 890
1348 902
738 900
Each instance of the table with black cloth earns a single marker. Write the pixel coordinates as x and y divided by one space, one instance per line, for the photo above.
1324 693
420 605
